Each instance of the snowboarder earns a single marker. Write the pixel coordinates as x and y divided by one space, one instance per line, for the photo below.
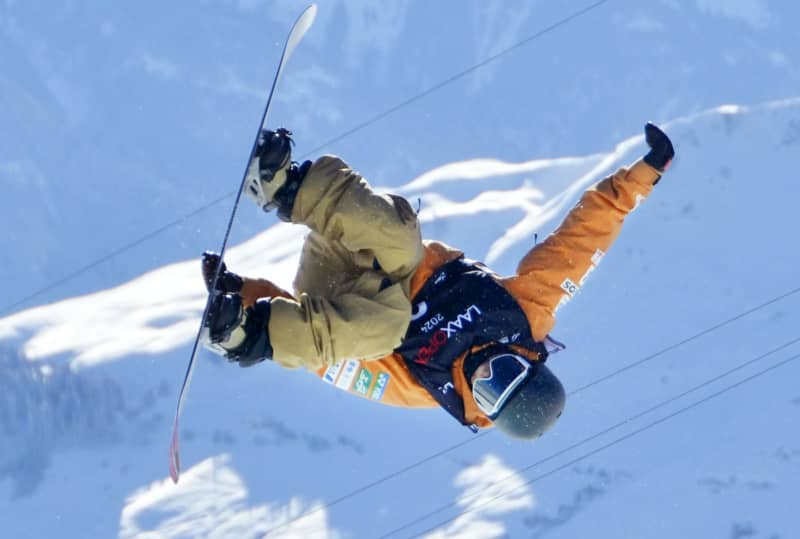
380 313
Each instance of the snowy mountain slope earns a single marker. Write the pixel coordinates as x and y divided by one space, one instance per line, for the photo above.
264 445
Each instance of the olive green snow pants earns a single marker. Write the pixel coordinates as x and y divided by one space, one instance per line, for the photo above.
352 286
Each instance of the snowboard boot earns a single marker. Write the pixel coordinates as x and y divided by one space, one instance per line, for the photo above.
272 178
224 320
239 334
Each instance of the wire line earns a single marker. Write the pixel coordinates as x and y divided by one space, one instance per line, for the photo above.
687 340
600 433
485 433
127 247
614 442
349 132
462 74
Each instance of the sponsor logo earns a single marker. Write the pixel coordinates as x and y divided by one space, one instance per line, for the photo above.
442 335
569 287
332 372
348 374
381 383
447 387
420 310
431 324
454 326
363 382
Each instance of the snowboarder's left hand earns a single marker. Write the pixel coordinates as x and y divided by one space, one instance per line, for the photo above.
661 150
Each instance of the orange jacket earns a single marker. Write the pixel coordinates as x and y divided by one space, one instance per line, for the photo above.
547 277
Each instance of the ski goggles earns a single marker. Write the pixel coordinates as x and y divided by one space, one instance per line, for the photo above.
507 372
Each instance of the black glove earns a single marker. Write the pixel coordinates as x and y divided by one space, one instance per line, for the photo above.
241 335
227 281
661 150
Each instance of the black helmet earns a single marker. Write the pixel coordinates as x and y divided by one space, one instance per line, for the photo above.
522 397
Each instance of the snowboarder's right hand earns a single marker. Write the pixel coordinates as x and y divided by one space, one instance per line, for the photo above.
227 281
661 150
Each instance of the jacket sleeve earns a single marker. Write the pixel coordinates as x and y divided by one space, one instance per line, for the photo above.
554 271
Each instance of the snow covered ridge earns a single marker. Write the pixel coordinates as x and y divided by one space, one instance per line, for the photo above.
160 310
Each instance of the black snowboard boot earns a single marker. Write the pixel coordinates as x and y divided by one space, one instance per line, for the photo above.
267 170
273 180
